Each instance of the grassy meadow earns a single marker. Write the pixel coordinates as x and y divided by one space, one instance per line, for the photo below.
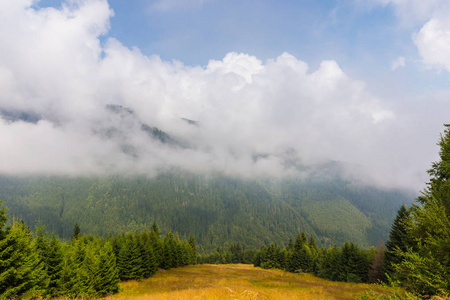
237 281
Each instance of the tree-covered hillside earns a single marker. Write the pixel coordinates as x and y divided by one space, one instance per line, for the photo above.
216 210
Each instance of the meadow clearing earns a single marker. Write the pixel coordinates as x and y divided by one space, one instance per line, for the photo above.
237 281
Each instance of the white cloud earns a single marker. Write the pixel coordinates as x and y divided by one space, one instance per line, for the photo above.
433 39
399 62
433 42
167 5
253 117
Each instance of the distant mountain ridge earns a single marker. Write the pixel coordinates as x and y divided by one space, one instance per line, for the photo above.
216 210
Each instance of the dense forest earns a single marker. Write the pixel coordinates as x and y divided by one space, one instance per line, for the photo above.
35 264
216 210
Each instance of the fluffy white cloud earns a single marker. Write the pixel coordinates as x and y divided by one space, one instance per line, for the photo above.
252 117
433 39
433 42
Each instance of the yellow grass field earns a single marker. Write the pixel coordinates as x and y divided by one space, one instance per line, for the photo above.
237 282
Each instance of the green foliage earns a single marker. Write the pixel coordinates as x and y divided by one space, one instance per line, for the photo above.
349 263
423 264
216 211
36 266
21 271
399 241
54 258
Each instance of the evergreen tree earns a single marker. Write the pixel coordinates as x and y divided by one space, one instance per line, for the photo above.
194 249
130 259
54 264
398 242
21 271
76 231
157 247
426 268
169 251
155 229
74 276
104 275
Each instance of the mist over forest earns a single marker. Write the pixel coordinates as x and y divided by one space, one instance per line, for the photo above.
79 102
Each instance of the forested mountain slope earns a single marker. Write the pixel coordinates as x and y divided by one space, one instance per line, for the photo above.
215 210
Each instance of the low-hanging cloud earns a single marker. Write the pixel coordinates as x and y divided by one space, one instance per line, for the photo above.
71 105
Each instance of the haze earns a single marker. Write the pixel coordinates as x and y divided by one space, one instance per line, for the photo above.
371 101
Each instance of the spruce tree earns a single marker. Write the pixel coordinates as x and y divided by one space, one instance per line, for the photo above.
169 251
194 249
76 231
398 242
104 276
21 271
426 268
54 264
130 259
158 248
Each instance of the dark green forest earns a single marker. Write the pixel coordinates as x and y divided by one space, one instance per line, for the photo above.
216 210
34 264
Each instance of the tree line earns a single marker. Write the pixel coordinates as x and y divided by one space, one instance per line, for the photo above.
36 264
347 263
216 210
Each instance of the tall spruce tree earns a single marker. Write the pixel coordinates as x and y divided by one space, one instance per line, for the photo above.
21 270
427 268
399 241
54 265
193 245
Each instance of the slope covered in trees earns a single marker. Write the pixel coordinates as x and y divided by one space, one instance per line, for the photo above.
216 210
37 265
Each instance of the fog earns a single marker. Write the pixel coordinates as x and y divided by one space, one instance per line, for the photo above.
73 104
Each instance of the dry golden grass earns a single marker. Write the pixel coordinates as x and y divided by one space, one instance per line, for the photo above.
236 282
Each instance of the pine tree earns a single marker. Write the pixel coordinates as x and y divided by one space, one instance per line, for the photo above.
398 242
41 248
194 249
76 231
426 268
55 260
155 229
21 271
169 251
74 277
130 259
104 279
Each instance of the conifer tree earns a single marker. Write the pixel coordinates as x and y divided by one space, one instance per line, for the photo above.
55 260
398 242
169 251
426 267
76 231
74 276
104 277
157 247
21 271
194 249
130 259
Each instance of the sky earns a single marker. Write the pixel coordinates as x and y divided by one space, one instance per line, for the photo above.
277 88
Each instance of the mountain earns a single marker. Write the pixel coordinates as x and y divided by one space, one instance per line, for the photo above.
216 210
